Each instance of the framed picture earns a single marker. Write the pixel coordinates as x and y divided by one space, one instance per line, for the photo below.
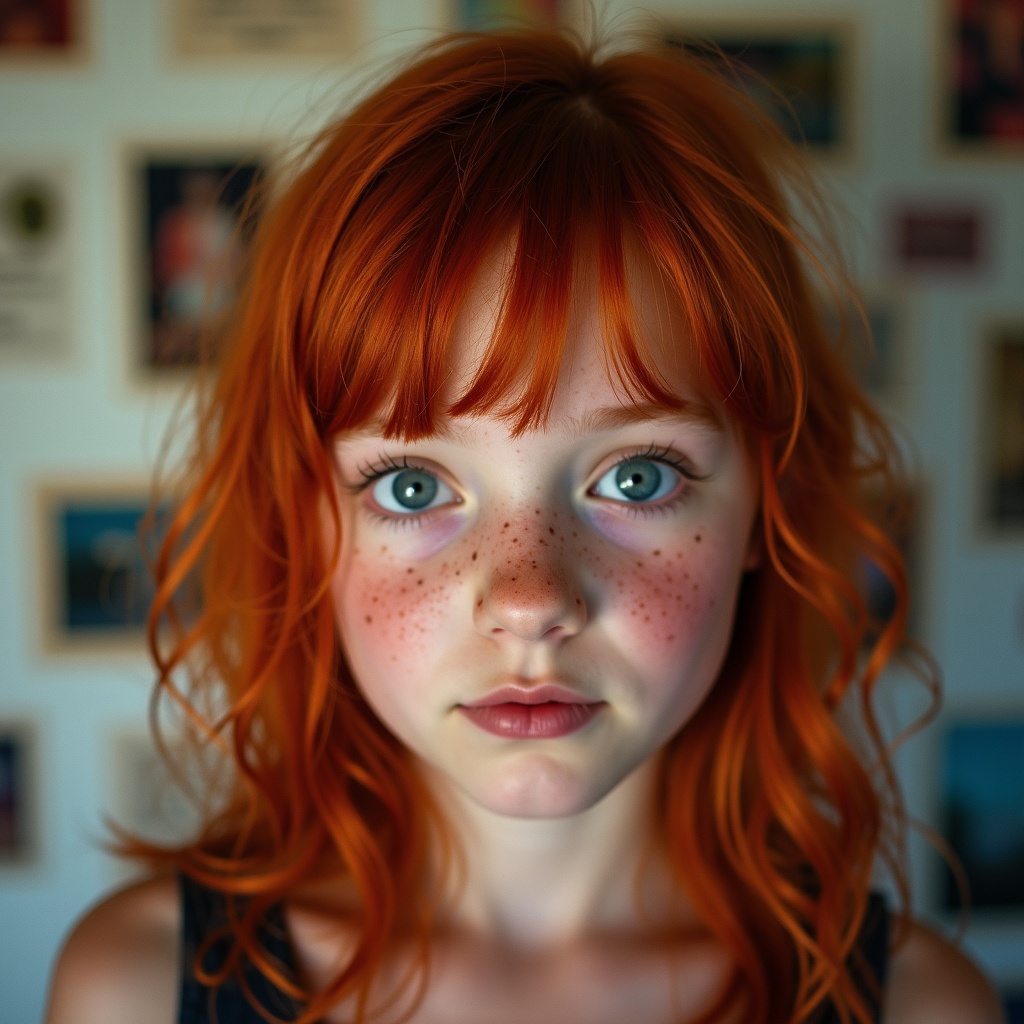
876 345
36 261
799 72
41 31
195 213
902 521
148 800
481 15
18 792
983 76
937 236
1002 431
261 29
96 583
983 811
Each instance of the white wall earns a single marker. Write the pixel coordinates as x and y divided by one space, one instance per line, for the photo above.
83 415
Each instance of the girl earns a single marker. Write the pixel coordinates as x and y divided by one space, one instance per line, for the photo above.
526 505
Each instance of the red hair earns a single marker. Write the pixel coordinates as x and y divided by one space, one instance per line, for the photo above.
360 267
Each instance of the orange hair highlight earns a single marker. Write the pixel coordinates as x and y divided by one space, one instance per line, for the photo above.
360 268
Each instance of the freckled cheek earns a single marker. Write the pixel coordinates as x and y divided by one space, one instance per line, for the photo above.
673 603
393 617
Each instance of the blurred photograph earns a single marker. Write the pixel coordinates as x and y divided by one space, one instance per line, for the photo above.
799 74
1002 406
17 833
39 28
987 73
983 803
196 229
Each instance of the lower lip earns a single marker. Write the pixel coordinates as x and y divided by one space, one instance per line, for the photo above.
532 721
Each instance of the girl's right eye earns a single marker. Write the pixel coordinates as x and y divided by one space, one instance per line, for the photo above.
409 491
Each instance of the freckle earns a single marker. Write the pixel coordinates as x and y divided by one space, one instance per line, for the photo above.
697 537
505 527
369 618
536 511
480 603
551 530
419 583
671 636
375 599
579 600
474 556
639 565
647 618
458 572
514 578
401 615
515 540
657 551
409 569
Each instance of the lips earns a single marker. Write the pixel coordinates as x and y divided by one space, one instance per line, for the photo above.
544 711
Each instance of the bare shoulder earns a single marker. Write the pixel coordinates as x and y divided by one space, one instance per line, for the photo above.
932 982
120 962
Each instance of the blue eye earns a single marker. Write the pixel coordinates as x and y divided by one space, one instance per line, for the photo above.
410 491
637 480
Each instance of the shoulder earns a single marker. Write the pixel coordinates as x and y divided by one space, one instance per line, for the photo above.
931 982
121 961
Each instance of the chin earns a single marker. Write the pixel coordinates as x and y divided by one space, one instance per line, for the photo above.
539 788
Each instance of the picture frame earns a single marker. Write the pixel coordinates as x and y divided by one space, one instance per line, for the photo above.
96 587
194 207
982 813
37 261
981 82
19 792
904 520
147 799
878 345
262 30
43 33
950 235
484 15
801 71
1001 431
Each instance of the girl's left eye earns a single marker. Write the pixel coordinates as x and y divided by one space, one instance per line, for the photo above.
409 491
637 480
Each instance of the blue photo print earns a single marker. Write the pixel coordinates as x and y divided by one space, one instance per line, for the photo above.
105 585
983 796
798 77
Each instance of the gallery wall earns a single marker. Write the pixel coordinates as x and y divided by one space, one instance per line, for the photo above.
105 129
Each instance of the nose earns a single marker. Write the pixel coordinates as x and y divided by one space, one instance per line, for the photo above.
529 598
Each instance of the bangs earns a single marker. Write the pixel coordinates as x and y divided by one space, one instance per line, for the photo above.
563 166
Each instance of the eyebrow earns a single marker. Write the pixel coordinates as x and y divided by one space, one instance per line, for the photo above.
613 416
591 422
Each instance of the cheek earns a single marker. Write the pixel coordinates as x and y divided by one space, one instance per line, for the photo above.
675 603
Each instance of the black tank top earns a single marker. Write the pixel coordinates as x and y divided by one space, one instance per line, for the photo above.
203 911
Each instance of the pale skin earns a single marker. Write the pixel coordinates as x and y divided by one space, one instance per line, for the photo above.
530 564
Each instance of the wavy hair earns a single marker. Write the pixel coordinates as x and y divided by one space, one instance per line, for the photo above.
770 818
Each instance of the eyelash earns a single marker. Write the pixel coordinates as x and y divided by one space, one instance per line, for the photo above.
371 472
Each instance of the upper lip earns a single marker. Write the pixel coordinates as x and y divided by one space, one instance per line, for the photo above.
531 693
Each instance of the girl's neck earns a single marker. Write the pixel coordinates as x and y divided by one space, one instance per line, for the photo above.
537 884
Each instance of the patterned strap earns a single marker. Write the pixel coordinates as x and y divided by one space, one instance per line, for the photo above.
202 912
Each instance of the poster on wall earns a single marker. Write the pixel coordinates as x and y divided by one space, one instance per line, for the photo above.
41 31
36 261
983 811
258 29
97 587
984 76
196 214
17 793
1002 432
482 15
800 73
937 236
148 800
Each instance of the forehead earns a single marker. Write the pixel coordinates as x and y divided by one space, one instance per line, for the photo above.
587 377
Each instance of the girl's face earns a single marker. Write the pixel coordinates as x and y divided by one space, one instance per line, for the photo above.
535 617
